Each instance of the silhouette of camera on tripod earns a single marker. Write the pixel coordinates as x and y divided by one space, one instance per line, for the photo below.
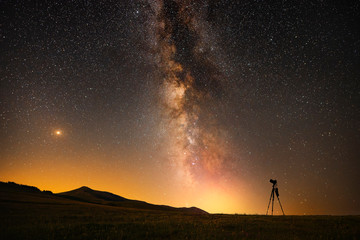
275 190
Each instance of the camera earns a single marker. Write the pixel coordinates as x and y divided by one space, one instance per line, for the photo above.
273 181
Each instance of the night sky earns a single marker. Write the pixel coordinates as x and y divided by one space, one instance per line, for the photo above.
185 103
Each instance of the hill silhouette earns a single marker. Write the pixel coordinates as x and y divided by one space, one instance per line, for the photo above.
20 187
86 194
13 192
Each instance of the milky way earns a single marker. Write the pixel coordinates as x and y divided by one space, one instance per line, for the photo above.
191 87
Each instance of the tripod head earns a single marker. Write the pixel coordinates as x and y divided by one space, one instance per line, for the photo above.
274 182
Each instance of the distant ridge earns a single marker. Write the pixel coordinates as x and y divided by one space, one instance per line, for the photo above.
89 195
11 191
21 187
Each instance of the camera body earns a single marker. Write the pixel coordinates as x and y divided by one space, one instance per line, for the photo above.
273 181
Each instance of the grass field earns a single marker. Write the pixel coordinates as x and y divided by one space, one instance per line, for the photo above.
45 216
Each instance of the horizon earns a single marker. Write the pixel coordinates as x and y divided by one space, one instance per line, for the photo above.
185 103
277 212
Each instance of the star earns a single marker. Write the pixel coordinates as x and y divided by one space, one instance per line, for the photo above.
58 133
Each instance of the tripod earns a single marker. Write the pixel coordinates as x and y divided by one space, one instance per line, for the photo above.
272 196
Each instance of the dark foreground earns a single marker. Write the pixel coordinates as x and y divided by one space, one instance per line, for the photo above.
45 216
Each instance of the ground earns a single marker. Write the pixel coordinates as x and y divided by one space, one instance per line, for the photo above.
34 215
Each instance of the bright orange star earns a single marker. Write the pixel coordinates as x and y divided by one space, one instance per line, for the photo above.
58 132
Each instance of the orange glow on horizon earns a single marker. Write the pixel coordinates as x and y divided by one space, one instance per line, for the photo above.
225 196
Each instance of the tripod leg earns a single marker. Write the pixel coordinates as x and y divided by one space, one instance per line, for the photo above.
280 205
271 195
272 208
